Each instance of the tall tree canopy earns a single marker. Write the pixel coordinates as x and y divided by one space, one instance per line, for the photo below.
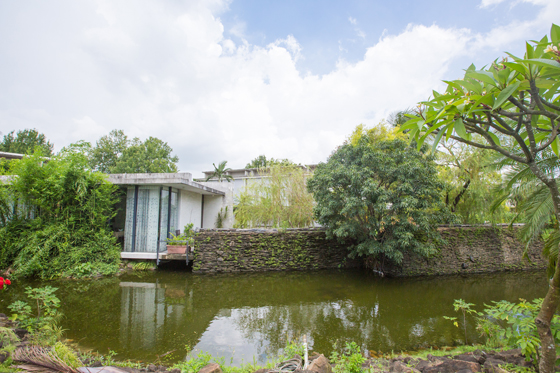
381 195
513 108
115 153
25 142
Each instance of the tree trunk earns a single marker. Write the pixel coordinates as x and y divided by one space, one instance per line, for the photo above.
552 299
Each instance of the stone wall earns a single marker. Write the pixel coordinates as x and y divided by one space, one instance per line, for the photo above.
467 249
252 250
473 249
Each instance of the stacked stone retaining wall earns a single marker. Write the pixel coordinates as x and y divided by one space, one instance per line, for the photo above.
467 249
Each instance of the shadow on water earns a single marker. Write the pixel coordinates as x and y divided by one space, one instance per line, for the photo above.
143 315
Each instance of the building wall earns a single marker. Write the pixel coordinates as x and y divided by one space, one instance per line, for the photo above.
190 209
213 204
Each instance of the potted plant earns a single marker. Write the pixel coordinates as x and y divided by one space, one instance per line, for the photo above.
178 244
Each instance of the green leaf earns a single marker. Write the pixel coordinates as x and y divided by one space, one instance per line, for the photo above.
505 94
517 67
438 137
555 34
460 128
483 76
495 138
529 50
543 62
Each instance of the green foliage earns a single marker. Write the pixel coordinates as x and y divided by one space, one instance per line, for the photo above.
193 364
150 156
262 162
220 172
465 308
349 361
25 142
507 324
68 356
221 217
382 197
279 199
143 266
291 349
55 223
470 183
186 238
108 150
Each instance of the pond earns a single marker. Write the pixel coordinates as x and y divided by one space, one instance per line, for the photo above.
251 316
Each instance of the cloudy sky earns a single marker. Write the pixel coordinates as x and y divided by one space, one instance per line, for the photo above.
233 79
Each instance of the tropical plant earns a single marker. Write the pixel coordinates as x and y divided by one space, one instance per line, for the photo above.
350 360
279 199
220 172
221 217
25 142
57 224
185 238
514 106
465 308
382 197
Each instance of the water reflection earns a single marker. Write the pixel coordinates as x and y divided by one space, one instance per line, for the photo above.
145 316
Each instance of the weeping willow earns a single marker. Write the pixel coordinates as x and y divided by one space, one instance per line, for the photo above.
278 200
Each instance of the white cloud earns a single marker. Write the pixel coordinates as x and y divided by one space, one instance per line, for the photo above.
165 69
352 21
489 3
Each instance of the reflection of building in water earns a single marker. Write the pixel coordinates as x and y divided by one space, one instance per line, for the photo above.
147 316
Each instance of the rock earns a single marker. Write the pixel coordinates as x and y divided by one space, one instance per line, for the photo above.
152 368
400 367
512 357
422 364
464 266
100 370
452 366
96 364
320 365
493 366
3 316
3 356
211 368
262 370
21 333
176 370
468 357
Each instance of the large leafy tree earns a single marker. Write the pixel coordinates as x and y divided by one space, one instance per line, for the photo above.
513 108
262 162
25 142
108 150
381 195
114 153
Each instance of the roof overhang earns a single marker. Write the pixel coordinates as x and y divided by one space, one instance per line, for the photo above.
180 180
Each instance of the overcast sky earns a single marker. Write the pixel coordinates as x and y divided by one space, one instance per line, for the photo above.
230 80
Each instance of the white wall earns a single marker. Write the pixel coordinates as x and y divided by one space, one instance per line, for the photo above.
190 209
213 204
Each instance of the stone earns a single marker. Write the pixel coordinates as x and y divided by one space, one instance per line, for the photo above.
468 357
3 316
422 364
176 370
3 356
400 367
152 368
320 365
211 368
493 366
96 364
100 370
452 366
263 370
21 333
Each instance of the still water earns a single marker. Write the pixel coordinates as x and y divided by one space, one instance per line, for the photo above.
141 316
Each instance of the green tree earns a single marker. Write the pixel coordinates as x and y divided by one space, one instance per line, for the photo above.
380 195
107 151
262 162
57 221
25 142
518 101
470 181
220 172
280 200
150 156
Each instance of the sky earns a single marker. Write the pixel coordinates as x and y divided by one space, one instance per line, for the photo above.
234 79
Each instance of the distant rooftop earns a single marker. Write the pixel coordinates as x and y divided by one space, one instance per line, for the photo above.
252 172
179 180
